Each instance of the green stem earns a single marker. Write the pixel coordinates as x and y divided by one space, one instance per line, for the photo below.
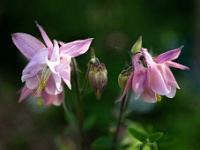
119 122
127 100
79 109
86 79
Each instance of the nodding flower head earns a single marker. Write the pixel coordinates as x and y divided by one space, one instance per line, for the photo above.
49 64
152 77
98 78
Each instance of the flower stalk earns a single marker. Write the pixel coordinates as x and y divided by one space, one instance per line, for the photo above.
116 135
79 107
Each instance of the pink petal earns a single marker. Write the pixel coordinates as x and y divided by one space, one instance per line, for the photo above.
75 48
32 83
148 58
176 65
66 77
35 65
59 100
48 98
30 72
27 44
169 55
157 82
39 58
139 75
138 82
127 87
24 93
64 64
172 92
53 86
54 58
57 80
45 36
148 94
169 77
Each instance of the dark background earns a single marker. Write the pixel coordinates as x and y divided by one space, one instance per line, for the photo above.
115 26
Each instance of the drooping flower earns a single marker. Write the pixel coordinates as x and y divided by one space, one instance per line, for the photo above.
98 78
152 77
97 75
49 64
162 81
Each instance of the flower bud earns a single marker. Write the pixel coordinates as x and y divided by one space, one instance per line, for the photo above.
123 77
98 78
137 46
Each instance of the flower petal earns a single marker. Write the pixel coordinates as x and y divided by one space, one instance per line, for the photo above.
169 55
27 44
48 98
35 65
172 93
30 72
59 100
66 77
148 94
157 82
127 87
53 86
169 77
176 65
45 36
138 83
54 58
32 83
76 48
24 93
139 76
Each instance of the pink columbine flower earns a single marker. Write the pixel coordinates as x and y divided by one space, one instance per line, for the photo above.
48 65
152 77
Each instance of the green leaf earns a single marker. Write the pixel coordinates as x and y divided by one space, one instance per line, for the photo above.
138 134
167 141
70 117
155 136
89 122
137 46
153 146
102 143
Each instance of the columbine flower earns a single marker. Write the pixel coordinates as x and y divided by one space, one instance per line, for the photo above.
152 77
49 64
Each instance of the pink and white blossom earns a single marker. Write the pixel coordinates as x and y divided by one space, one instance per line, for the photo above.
49 63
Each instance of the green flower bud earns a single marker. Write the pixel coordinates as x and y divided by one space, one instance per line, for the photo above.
146 147
98 78
123 77
137 46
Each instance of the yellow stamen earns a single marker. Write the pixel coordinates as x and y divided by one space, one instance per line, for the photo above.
44 78
40 102
158 97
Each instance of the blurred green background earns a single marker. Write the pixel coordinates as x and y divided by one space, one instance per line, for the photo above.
115 26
